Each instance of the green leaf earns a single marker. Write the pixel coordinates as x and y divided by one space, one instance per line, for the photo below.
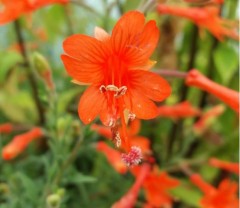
9 60
187 194
79 178
226 61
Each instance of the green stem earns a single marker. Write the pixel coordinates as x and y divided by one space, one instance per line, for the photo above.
31 77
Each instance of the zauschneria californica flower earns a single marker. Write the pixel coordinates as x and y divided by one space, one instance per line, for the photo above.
117 69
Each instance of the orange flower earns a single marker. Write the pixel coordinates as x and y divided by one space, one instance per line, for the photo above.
225 196
116 68
229 166
20 143
207 119
230 97
129 199
6 128
180 110
113 156
204 17
205 1
134 127
11 9
156 187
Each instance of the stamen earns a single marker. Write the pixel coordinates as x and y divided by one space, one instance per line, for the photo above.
131 116
112 122
102 89
134 157
121 91
116 136
118 91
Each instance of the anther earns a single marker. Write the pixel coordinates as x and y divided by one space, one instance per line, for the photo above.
121 91
102 89
131 116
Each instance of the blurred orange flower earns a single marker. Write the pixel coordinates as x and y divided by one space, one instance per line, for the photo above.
225 165
113 156
156 187
225 196
129 199
204 17
116 68
203 123
20 142
180 110
12 9
228 96
6 128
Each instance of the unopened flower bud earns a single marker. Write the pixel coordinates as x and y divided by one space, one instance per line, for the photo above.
53 201
4 189
61 192
43 69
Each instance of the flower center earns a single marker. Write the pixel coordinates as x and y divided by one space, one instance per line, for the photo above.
118 91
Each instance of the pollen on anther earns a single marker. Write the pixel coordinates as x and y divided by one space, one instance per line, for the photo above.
134 157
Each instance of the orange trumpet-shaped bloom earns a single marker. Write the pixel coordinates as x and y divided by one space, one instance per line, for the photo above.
180 110
116 68
157 186
225 196
228 96
205 17
6 128
20 143
12 9
128 200
113 156
225 165
207 118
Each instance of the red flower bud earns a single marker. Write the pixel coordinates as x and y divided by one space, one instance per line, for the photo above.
6 128
229 166
228 96
20 143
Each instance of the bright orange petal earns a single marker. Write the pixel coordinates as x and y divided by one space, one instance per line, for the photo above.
134 41
140 105
151 85
81 71
91 104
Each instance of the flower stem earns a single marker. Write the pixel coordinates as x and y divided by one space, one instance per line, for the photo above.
31 77
178 125
171 73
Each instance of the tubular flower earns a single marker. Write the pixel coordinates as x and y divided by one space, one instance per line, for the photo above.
229 166
128 200
6 128
20 143
208 118
156 187
205 1
228 96
180 110
116 68
113 156
225 196
11 9
204 17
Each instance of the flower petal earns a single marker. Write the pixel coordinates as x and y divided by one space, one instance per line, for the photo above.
151 85
82 72
101 34
126 29
91 104
87 49
133 41
140 105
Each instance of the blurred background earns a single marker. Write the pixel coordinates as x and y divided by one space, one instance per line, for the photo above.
65 166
